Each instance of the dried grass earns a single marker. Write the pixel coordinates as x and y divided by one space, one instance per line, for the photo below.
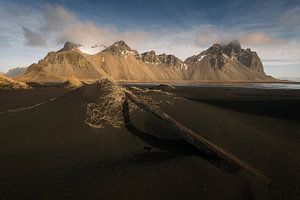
108 110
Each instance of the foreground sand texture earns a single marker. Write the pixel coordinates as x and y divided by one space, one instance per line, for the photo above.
50 153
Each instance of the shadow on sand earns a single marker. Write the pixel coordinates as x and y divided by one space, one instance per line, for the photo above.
171 147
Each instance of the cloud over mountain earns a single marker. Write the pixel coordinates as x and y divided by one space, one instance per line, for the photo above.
210 34
33 38
273 29
64 25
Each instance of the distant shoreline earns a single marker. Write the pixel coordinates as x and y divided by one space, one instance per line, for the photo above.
210 81
167 81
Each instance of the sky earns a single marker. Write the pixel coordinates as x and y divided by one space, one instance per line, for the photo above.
29 29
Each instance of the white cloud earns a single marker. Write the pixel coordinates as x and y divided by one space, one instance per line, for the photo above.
56 18
87 33
61 25
208 35
259 39
53 25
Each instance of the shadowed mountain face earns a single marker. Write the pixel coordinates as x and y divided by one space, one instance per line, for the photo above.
226 62
233 48
246 57
217 63
163 59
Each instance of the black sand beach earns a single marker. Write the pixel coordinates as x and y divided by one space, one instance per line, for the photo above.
48 152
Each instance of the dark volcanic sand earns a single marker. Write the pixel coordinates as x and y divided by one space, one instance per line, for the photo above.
10 99
49 153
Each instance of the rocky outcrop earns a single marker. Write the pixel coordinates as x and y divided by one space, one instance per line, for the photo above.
163 87
162 59
251 60
150 57
233 49
171 60
121 49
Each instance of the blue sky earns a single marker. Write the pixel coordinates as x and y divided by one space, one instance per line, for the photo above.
29 29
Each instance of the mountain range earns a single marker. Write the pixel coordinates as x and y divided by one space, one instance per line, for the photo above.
16 71
218 63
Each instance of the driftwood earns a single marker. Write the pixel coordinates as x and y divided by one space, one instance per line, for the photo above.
195 139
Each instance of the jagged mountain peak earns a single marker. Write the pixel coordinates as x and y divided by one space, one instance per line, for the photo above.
233 48
69 46
152 52
172 60
121 49
233 45
119 45
150 57
168 57
149 53
215 49
219 54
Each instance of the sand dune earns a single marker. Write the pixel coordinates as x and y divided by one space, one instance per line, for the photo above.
72 82
49 152
8 83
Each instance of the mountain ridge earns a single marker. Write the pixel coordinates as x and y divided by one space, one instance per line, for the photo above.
218 62
170 60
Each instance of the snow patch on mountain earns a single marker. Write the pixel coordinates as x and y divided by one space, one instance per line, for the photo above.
92 49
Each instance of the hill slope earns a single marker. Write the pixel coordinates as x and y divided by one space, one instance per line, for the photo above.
7 83
61 64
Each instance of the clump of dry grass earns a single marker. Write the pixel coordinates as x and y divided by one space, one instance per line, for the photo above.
108 110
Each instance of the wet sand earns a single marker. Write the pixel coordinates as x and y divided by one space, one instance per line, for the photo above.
49 153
